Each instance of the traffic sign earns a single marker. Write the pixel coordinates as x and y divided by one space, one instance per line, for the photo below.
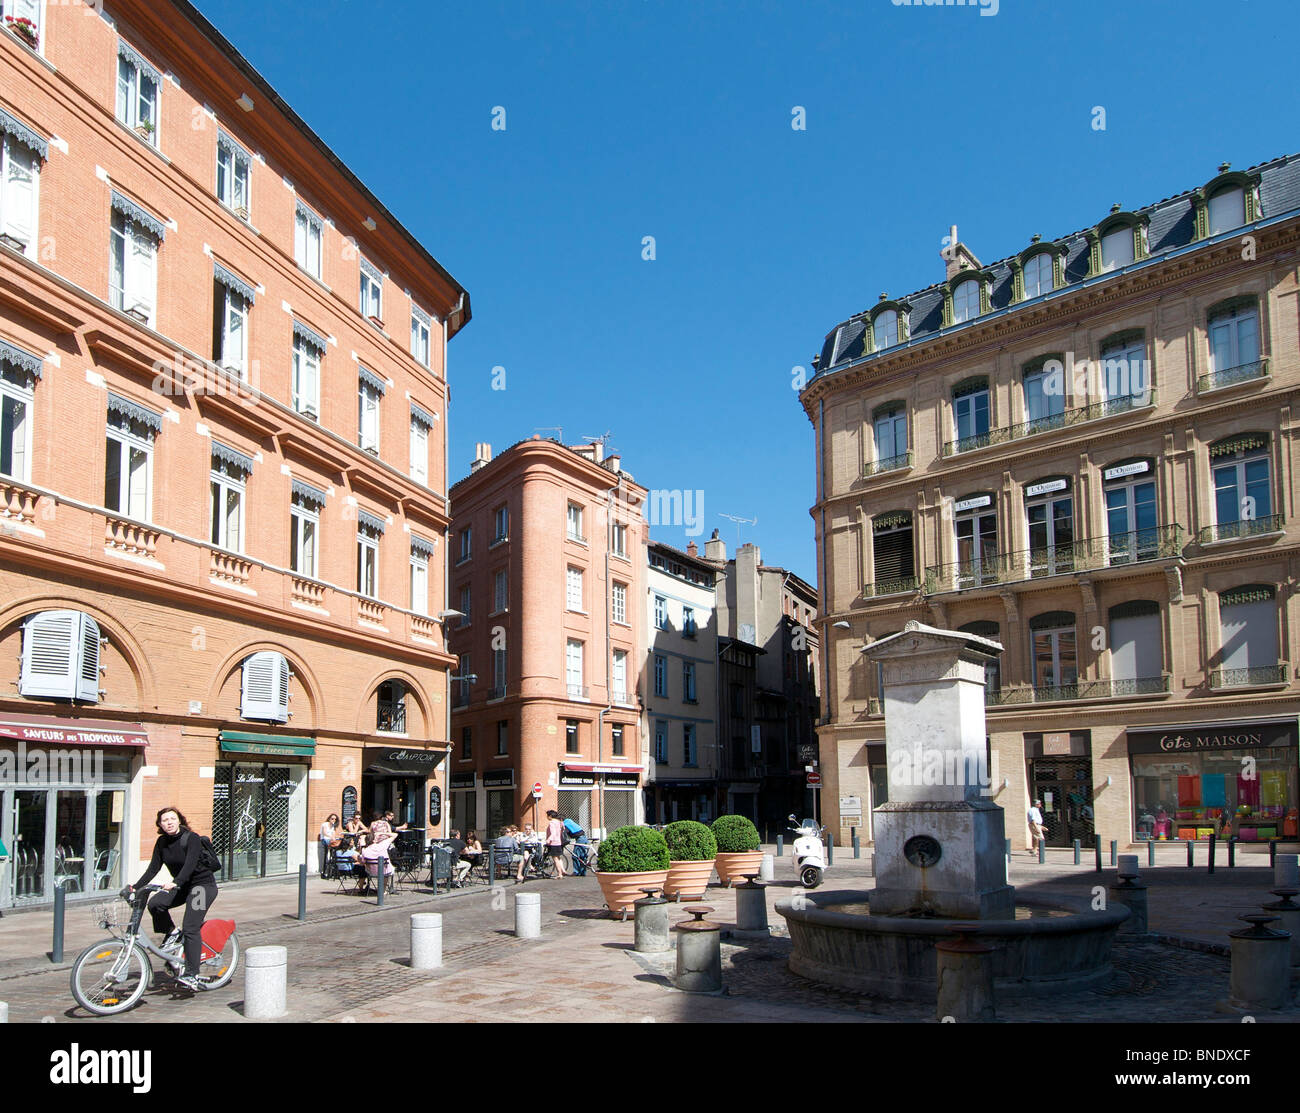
814 780
537 790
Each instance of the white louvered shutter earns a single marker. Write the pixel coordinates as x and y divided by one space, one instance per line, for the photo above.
265 691
50 655
88 666
20 193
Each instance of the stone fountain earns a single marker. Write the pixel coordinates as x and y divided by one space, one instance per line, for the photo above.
940 850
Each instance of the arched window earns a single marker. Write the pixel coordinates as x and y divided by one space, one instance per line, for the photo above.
390 717
885 329
889 423
1049 506
264 690
970 414
1124 371
1045 393
1039 277
1227 209
1053 654
1117 249
992 668
60 657
965 301
1117 241
1234 338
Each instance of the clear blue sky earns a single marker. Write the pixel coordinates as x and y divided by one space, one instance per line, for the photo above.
672 119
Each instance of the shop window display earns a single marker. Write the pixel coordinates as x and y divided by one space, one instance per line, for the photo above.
1247 795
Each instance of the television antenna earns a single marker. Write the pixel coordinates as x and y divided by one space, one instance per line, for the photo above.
739 522
558 430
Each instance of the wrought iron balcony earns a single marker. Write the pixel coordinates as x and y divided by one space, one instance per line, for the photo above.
891 587
577 691
1080 690
1084 555
1107 407
1231 376
392 716
890 463
1250 677
1247 527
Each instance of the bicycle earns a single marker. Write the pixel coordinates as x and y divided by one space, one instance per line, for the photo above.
582 858
112 975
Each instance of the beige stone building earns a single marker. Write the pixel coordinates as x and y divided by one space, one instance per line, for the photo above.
1087 452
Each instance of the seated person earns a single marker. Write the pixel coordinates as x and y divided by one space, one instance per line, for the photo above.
457 847
529 841
391 820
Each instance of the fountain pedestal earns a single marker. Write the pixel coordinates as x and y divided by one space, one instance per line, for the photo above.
940 838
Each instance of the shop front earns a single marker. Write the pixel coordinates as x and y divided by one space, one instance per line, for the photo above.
463 788
1233 779
1059 769
394 778
259 803
616 786
669 801
66 809
500 789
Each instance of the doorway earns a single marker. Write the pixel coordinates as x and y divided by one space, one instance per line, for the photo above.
1064 785
252 816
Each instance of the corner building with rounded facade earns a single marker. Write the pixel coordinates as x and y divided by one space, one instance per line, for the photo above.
1085 451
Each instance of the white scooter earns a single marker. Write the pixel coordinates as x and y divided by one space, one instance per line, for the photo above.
809 852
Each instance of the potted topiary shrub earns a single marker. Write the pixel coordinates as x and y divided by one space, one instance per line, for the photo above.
628 860
738 848
692 848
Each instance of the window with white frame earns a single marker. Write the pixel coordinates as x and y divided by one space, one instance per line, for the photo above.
574 522
619 676
661 613
500 524
133 261
1241 467
501 592
307 352
890 427
688 744
618 539
688 681
966 301
1227 210
1039 278
573 589
661 675
369 531
419 447
308 230
128 458
234 173
230 472
138 84
1117 249
420 332
618 606
372 292
304 529
1045 393
420 554
661 741
369 391
231 305
21 153
885 329
1234 337
19 371
573 669
1124 372
23 18
466 606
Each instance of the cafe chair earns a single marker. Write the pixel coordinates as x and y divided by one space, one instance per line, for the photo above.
66 873
105 865
351 876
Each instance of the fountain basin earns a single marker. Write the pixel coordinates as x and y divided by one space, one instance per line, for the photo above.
1055 945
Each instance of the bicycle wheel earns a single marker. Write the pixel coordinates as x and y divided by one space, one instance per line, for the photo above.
106 980
216 971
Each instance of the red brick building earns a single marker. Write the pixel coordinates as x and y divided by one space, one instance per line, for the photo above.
222 463
548 574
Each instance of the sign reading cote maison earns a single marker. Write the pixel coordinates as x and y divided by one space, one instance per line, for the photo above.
1217 736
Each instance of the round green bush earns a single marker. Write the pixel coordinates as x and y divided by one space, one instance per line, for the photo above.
689 841
735 834
632 850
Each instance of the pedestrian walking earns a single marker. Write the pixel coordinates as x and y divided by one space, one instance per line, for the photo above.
1037 833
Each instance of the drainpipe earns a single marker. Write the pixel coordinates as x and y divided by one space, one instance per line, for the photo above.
446 550
609 651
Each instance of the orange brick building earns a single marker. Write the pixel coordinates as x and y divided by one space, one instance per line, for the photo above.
222 464
548 574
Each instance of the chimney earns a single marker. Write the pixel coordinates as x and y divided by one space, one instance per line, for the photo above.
692 549
614 464
482 456
715 548
957 256
747 593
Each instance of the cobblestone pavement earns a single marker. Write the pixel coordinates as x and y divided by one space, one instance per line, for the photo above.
348 961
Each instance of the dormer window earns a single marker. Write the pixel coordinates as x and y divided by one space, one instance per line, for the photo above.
60 657
965 301
1038 275
885 330
1227 210
1117 249
1117 242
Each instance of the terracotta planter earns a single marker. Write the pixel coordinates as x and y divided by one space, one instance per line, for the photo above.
732 867
688 879
621 889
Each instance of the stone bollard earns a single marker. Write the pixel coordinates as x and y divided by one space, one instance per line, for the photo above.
1289 913
1261 960
266 978
1132 895
751 909
528 915
965 976
767 868
699 953
651 923
1286 871
426 940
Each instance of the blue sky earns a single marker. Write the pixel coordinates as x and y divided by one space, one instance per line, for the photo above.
672 119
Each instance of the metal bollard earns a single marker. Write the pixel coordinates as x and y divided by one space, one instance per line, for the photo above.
1261 959
699 953
302 891
1213 844
266 979
767 868
56 951
965 977
381 882
1289 913
857 847
528 915
1286 871
1114 850
1096 846
1042 852
751 909
1078 849
1272 853
1190 847
780 845
1128 892
830 849
1151 853
426 940
1007 851
651 923
492 865
1232 852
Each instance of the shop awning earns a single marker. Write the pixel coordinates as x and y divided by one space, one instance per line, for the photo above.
575 767
401 761
277 745
72 732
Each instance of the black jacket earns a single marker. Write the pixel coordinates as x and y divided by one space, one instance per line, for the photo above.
180 854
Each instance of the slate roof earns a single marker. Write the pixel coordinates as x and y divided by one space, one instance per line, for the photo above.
1172 225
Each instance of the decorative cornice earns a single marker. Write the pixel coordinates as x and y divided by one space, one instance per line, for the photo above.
232 457
233 282
305 492
309 336
23 360
371 379
136 215
25 135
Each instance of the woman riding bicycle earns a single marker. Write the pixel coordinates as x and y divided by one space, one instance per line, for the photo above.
193 885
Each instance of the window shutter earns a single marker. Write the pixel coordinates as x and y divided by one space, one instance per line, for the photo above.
88 678
265 690
141 283
20 193
50 655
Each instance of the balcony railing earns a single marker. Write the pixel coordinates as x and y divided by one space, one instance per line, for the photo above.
121 535
1231 376
890 463
392 716
1250 677
17 504
1080 690
1247 527
460 693
891 587
577 691
1086 554
1107 407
